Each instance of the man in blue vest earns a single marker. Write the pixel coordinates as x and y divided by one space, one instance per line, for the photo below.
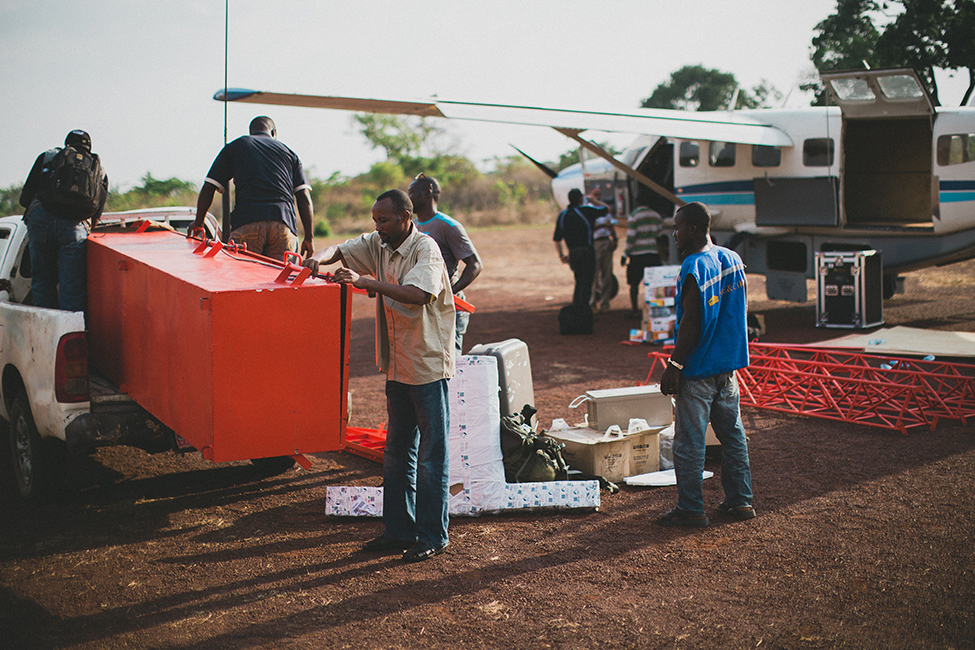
711 344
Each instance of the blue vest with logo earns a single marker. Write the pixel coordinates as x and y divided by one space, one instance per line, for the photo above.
723 346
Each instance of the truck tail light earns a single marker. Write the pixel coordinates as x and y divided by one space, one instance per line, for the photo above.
71 368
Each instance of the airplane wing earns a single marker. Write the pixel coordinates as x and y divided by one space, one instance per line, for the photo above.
715 126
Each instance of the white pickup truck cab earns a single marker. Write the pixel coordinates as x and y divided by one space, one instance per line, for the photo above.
47 395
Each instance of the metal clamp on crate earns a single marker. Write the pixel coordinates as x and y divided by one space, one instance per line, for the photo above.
303 272
215 246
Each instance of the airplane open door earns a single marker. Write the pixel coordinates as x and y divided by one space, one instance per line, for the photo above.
886 176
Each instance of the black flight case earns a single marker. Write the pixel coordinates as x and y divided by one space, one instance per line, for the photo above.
849 289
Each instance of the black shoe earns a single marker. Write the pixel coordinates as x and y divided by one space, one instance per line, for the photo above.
686 518
741 513
421 551
383 543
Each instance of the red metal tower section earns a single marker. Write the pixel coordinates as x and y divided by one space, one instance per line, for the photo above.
899 393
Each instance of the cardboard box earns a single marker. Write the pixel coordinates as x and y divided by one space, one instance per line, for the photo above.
618 405
612 457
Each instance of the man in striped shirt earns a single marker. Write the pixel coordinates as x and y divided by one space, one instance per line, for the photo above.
640 250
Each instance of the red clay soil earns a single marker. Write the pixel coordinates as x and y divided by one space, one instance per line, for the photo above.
864 537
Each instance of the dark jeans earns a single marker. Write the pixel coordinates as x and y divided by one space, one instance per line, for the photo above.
698 401
58 261
582 261
415 476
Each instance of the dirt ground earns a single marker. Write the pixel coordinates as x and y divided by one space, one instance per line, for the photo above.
864 537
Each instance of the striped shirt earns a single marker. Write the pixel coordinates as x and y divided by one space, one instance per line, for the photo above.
641 232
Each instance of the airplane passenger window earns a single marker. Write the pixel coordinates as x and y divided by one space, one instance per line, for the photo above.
956 149
722 154
817 152
766 156
690 153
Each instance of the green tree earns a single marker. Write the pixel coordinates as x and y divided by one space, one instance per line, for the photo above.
400 137
696 88
923 34
10 200
154 187
959 35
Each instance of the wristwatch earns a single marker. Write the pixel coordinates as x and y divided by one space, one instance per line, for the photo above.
679 366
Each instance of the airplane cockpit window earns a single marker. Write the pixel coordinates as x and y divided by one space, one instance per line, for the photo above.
690 154
722 154
900 86
817 152
852 90
764 155
956 149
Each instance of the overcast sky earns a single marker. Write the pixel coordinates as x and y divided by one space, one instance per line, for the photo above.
139 76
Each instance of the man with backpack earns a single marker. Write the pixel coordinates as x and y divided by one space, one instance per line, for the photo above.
575 225
64 195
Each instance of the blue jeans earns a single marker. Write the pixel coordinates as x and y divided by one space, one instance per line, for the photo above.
58 261
415 481
698 401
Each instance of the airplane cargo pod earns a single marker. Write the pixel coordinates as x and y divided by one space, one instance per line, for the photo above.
238 364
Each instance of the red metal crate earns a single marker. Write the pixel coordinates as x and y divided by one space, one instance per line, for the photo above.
239 365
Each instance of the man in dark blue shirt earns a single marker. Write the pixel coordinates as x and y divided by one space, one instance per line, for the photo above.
270 181
575 225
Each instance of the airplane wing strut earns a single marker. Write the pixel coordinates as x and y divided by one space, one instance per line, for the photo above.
626 169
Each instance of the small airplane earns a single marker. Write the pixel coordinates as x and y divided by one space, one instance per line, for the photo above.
883 170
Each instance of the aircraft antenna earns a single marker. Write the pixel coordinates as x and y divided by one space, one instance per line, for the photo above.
734 98
225 197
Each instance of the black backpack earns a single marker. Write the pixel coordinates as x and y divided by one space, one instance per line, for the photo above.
575 319
529 456
74 184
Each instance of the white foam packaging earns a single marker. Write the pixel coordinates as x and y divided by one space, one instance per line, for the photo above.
476 470
476 467
367 501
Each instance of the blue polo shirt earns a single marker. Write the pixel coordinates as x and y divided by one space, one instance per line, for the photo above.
723 347
267 175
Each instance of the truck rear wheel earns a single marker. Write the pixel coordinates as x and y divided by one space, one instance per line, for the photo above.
27 453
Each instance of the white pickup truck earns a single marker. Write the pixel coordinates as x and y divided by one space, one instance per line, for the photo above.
46 393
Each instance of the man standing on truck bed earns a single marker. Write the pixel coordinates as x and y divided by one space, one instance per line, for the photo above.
270 181
455 245
64 195
414 337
